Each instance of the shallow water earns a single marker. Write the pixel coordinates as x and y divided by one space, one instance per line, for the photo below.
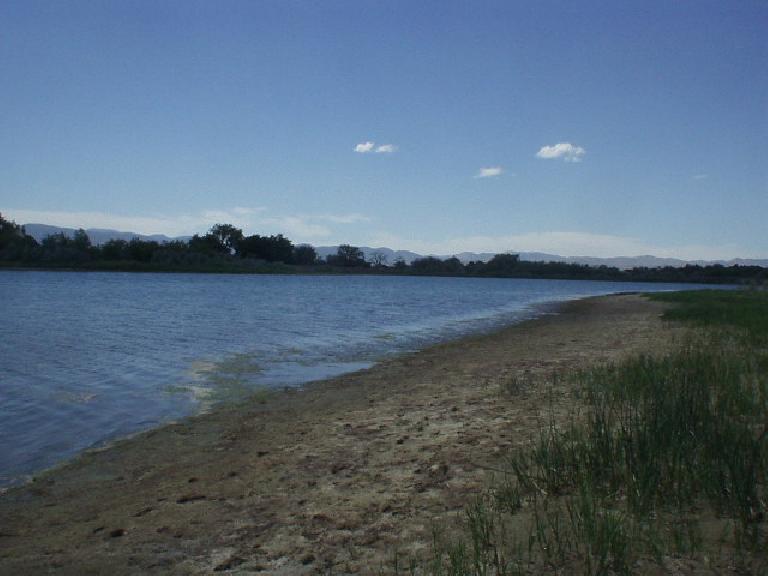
88 357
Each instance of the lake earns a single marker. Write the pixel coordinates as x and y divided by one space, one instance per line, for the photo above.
89 357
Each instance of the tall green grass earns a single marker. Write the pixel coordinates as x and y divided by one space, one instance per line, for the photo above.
740 311
667 458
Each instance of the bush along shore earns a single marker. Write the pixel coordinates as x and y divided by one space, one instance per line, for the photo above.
660 469
225 249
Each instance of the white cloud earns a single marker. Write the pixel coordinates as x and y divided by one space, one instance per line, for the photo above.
564 150
244 210
172 225
364 147
352 218
490 172
368 146
309 227
297 228
314 227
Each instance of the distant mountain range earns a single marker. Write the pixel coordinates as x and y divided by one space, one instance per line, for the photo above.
621 262
100 236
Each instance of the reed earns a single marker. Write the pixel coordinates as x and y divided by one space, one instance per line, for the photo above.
666 458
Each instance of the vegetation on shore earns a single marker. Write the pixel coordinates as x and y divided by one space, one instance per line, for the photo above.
662 467
225 249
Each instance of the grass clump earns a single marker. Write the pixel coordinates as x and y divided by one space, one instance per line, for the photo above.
667 458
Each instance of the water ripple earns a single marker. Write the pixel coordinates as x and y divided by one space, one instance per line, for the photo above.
91 357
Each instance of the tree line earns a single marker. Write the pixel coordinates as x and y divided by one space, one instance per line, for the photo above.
225 248
510 266
223 243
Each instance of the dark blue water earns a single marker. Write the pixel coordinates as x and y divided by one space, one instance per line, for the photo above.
88 357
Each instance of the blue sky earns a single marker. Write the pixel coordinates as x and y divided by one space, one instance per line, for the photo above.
599 128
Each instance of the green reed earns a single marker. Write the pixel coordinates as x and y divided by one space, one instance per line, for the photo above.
661 447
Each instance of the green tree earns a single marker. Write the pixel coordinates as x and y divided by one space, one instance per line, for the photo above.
141 250
80 240
431 265
271 248
227 236
177 252
347 256
207 244
502 263
378 259
61 248
15 244
114 250
304 254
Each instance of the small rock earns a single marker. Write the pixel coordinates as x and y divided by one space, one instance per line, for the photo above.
436 469
190 498
143 511
117 533
229 564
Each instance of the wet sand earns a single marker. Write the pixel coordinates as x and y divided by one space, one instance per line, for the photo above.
332 478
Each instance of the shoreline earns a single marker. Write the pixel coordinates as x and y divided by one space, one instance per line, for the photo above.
285 270
332 476
529 313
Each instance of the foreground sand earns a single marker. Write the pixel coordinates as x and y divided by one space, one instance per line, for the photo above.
331 479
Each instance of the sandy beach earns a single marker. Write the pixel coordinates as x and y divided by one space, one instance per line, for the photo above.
333 478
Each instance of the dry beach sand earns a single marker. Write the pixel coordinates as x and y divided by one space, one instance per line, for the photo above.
330 479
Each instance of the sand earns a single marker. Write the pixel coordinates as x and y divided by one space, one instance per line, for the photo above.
333 478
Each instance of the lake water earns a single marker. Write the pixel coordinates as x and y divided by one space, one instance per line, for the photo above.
88 357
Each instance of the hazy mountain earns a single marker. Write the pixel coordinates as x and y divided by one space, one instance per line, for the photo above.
621 262
99 236
648 261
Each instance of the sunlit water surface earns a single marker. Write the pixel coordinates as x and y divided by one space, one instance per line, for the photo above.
88 357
